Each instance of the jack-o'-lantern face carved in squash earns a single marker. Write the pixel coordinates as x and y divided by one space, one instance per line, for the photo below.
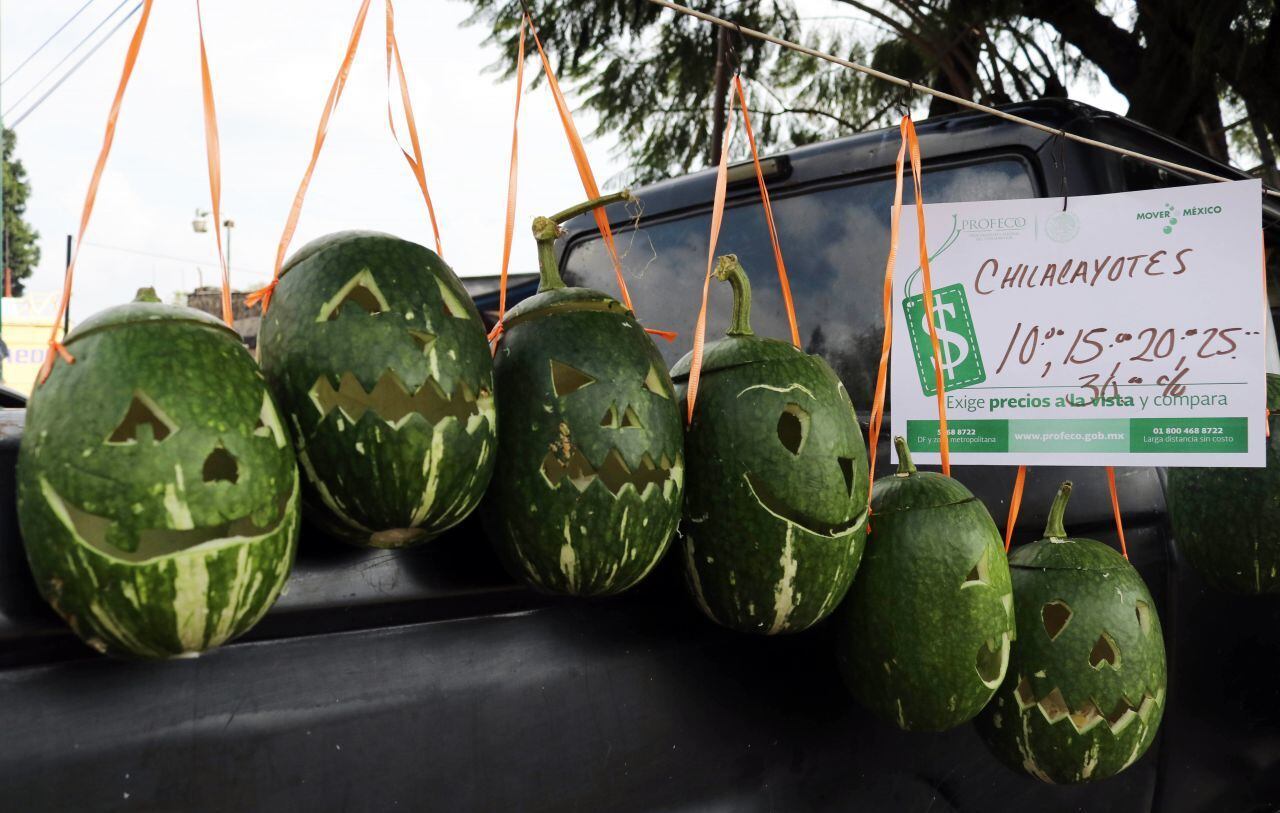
588 494
158 490
775 513
1085 688
378 358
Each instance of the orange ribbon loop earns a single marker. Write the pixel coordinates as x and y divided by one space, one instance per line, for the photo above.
416 164
1015 502
717 216
264 294
783 280
1115 509
130 59
213 153
510 224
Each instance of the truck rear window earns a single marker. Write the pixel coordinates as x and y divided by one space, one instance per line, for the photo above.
834 241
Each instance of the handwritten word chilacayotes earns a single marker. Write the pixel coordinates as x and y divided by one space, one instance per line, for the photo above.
1075 271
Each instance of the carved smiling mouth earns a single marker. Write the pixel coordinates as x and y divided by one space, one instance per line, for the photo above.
614 474
156 542
1055 709
392 401
784 512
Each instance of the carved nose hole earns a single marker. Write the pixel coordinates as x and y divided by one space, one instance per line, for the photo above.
422 338
630 420
793 425
846 468
1104 651
1144 617
610 419
221 465
1055 614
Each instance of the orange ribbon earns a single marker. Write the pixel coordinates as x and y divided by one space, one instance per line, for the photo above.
213 153
510 225
1015 502
717 216
768 217
1115 509
56 348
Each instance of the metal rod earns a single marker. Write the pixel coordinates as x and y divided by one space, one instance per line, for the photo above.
915 86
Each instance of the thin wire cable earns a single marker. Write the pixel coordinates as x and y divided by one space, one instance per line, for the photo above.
34 53
73 69
958 100
65 57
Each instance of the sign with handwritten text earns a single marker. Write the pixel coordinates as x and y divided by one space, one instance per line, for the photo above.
1127 329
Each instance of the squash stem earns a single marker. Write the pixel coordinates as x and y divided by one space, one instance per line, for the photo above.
906 465
547 229
1054 527
147 294
730 270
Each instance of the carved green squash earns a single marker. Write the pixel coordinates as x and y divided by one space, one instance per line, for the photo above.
926 629
157 490
1085 689
1236 550
587 495
776 504
378 358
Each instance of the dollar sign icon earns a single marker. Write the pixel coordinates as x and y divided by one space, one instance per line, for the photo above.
960 356
947 339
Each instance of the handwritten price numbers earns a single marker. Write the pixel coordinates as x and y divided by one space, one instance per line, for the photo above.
1154 346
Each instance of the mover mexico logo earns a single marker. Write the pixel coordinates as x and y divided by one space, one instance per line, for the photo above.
957 342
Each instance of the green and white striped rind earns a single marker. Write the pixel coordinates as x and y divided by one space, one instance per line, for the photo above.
365 481
1226 522
771 576
177 605
914 627
557 539
1102 590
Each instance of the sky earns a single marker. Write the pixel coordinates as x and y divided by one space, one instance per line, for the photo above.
272 64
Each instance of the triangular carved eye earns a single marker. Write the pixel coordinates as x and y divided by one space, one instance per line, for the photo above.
979 573
653 383
143 420
1056 615
1144 616
362 291
452 305
566 379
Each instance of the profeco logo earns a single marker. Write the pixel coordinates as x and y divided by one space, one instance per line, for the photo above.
989 224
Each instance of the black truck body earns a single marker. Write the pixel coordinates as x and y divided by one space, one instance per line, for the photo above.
428 680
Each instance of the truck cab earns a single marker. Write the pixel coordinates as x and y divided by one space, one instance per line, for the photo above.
428 679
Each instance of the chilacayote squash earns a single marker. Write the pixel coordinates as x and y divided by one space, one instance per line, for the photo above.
588 493
157 490
926 627
378 357
1085 689
776 503
1235 550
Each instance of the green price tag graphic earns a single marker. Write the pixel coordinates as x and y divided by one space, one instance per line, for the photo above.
957 343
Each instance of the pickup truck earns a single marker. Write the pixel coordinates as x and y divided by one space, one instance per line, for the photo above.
427 680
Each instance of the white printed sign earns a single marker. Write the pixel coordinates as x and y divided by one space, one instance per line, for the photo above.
1129 329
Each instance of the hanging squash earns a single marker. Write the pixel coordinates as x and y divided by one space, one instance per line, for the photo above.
378 357
1237 551
588 493
926 628
157 491
1085 689
776 507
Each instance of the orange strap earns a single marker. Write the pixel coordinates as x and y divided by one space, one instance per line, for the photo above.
1115 509
1015 502
213 153
882 373
263 295
717 216
511 191
415 161
130 59
944 441
768 216
584 168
